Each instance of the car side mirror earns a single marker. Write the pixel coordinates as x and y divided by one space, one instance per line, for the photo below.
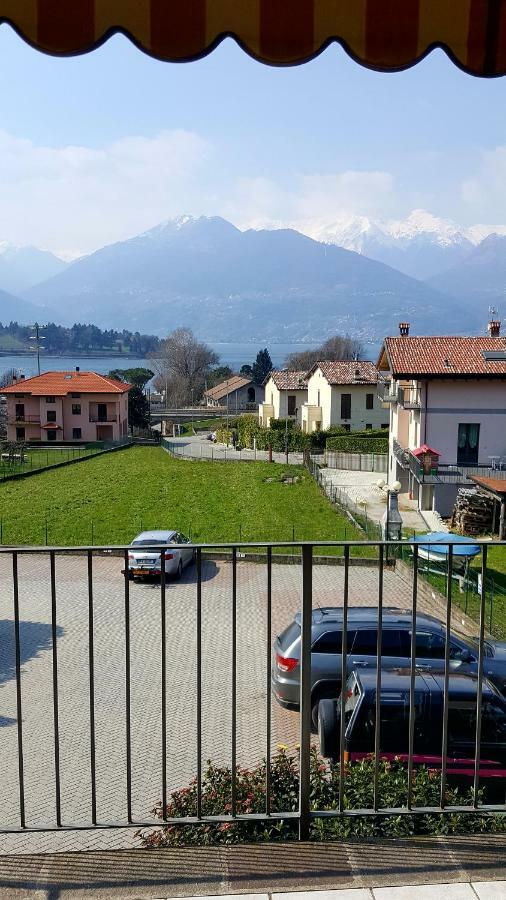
466 656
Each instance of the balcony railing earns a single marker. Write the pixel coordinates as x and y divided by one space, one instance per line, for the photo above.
103 420
409 397
27 419
111 670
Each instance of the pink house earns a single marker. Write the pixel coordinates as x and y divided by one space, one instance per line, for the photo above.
67 406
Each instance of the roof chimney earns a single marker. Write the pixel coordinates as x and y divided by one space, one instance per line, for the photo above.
494 328
404 329
22 377
78 369
14 378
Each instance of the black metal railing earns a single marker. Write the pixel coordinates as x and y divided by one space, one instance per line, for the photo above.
96 578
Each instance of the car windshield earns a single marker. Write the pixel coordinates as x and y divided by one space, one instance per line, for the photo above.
153 543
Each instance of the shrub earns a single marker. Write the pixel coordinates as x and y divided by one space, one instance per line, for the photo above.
353 444
359 781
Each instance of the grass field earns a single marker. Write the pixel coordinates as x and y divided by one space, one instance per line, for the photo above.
110 499
41 458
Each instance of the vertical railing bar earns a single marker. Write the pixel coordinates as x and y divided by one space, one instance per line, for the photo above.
479 685
91 663
56 725
344 675
234 681
268 686
19 707
199 683
305 692
128 710
412 677
377 728
444 750
163 652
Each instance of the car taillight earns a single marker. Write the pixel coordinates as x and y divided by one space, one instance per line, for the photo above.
168 556
286 663
131 556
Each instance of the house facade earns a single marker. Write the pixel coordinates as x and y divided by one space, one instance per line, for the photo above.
343 393
67 406
447 394
236 394
285 395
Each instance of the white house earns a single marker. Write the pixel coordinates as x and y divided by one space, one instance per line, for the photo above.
449 394
343 393
285 395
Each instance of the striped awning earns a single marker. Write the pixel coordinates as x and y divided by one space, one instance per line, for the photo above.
382 34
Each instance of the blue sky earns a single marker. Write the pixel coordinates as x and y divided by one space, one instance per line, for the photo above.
97 148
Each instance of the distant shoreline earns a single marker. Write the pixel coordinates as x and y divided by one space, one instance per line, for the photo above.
89 354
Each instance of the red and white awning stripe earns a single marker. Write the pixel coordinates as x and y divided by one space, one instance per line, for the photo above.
382 34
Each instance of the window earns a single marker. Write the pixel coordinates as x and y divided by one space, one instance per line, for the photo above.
368 426
462 723
51 415
76 409
332 642
385 425
20 411
251 395
75 396
468 443
20 434
430 646
292 409
345 406
369 401
318 399
76 434
50 400
392 642
51 435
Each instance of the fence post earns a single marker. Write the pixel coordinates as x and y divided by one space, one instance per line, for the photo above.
305 694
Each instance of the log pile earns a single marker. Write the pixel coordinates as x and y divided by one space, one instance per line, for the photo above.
473 512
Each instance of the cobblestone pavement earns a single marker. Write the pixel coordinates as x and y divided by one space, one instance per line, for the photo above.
109 661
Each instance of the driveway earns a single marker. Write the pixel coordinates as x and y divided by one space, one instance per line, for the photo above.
109 660
197 446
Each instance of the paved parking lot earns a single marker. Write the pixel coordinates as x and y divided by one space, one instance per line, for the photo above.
109 661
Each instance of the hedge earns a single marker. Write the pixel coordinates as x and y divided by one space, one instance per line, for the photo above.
353 444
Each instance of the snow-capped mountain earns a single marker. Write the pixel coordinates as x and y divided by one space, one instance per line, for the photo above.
422 245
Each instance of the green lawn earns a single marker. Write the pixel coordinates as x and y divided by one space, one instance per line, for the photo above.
111 498
41 458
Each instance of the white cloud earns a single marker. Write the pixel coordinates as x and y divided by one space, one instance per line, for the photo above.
74 199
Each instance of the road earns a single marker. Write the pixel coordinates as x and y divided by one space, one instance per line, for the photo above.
109 662
197 446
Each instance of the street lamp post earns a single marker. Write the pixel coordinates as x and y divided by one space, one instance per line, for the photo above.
391 522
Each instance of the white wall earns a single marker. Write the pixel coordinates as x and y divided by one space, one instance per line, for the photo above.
330 402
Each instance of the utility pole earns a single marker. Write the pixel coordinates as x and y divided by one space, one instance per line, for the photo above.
38 338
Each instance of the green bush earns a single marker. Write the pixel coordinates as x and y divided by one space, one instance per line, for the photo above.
324 780
351 443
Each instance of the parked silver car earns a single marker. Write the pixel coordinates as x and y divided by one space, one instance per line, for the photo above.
145 561
362 635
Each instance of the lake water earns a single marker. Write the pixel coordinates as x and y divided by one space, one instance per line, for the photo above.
233 355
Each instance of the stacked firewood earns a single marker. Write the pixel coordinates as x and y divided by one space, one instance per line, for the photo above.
472 513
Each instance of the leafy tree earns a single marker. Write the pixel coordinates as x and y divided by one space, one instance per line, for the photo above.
334 348
138 408
262 366
138 376
247 371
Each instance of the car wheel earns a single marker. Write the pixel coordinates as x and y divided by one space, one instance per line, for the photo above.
330 694
328 728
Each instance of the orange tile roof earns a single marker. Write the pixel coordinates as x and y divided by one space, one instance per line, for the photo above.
234 383
442 356
347 371
59 384
288 381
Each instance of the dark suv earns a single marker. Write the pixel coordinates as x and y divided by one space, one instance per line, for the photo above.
326 644
360 717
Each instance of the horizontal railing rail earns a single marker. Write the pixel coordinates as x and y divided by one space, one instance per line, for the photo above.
90 593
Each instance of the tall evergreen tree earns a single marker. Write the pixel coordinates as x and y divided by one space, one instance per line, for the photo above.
262 366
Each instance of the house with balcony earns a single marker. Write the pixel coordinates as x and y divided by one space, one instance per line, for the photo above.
285 395
446 398
343 393
67 407
236 394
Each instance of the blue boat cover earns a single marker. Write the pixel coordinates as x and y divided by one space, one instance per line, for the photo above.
461 546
